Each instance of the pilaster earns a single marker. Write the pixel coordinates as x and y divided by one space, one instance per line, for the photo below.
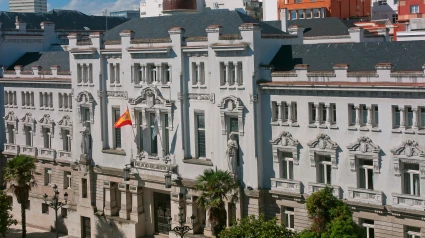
126 205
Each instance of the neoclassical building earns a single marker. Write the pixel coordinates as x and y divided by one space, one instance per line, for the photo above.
217 90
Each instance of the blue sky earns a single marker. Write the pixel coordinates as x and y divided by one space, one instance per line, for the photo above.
94 7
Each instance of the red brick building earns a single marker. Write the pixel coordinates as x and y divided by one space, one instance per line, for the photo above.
408 9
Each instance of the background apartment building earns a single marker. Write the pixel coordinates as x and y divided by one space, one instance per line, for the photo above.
28 5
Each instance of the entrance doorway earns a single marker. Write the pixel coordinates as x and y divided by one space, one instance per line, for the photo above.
86 227
162 211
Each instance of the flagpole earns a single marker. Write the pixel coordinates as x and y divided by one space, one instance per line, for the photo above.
132 129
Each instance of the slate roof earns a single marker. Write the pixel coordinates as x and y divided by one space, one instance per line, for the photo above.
359 56
194 25
43 59
330 26
63 19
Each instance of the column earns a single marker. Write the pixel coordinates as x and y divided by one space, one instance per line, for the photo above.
145 74
415 117
328 114
357 107
290 120
317 107
227 65
235 65
158 74
160 130
136 202
369 116
125 201
280 112
402 117
110 202
32 137
198 73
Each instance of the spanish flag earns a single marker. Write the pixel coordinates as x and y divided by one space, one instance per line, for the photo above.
124 120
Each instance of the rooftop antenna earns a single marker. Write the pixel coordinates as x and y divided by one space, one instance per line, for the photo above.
105 13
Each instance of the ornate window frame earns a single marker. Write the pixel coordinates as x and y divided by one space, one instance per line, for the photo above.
65 124
285 143
323 145
85 99
230 106
364 148
28 120
47 122
408 152
151 99
11 119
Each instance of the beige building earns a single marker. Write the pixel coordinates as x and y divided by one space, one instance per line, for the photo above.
28 5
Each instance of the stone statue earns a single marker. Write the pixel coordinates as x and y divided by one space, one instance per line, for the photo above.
85 138
232 152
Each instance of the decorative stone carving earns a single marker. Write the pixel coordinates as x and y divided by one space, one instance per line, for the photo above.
408 152
231 106
11 119
286 143
150 96
85 139
323 145
114 94
253 98
65 123
28 120
46 122
231 153
364 148
85 97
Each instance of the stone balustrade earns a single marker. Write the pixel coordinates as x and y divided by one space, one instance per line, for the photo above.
314 187
29 150
11 149
285 185
47 153
365 196
64 154
408 201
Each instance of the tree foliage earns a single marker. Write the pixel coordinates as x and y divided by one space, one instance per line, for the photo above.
6 219
19 174
331 217
216 186
259 228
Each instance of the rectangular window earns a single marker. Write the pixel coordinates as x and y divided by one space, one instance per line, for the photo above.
308 13
44 208
333 113
366 174
396 113
375 116
285 111
239 73
85 114
301 14
409 114
368 227
47 137
422 117
84 187
111 73
66 139
287 166
223 73
411 179
316 13
293 15
195 73
414 8
166 73
297 1
289 218
200 124
166 135
364 112
325 170
64 212
140 131
323 112
28 135
67 180
294 111
312 113
47 176
394 18
412 232
154 133
275 111
10 134
117 131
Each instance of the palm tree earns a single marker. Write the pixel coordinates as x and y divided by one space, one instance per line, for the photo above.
216 187
19 174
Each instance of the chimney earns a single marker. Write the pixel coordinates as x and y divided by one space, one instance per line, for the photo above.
284 19
20 25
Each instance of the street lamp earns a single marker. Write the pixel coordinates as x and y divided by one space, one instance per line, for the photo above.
182 229
55 204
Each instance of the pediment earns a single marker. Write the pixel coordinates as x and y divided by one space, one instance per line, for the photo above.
323 142
65 121
285 139
408 148
231 103
364 145
150 96
85 97
46 119
28 118
11 117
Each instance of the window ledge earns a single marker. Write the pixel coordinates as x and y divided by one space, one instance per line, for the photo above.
114 151
241 88
203 87
137 86
421 132
195 86
364 128
375 129
274 123
409 131
334 127
396 130
232 88
352 128
165 86
312 125
323 126
205 162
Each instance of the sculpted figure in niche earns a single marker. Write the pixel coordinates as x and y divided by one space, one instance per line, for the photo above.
85 138
232 151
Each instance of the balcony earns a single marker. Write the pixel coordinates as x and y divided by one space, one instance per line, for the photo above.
64 154
365 196
46 153
408 201
314 187
29 150
11 149
287 186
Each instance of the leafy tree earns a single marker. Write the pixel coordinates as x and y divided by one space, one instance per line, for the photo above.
216 186
19 174
331 217
6 219
259 228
